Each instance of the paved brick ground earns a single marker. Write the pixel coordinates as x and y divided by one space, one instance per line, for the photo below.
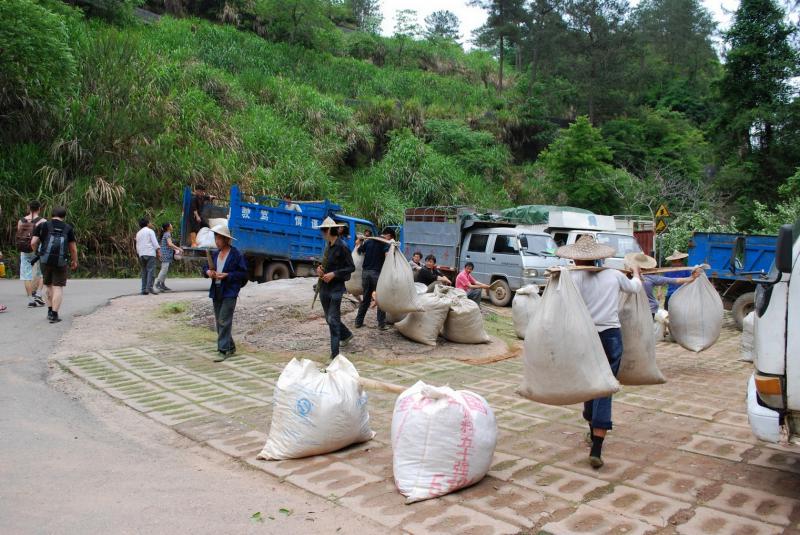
681 458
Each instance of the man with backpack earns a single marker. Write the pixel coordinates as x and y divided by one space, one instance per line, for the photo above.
30 273
54 241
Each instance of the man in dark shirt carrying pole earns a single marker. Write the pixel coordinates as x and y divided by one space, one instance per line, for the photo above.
374 252
338 266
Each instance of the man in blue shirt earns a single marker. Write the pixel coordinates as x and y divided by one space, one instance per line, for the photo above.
374 252
676 259
651 281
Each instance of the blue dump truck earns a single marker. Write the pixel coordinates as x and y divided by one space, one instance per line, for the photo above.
278 243
738 262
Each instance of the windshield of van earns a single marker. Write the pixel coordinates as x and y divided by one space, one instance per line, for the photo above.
533 244
622 243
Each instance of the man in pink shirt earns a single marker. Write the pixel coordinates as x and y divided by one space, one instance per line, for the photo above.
465 281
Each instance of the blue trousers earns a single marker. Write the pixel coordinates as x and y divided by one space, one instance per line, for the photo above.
332 306
147 267
223 317
598 411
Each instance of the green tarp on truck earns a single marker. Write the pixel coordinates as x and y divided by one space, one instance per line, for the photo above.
536 214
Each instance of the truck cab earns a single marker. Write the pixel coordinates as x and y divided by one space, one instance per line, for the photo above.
773 391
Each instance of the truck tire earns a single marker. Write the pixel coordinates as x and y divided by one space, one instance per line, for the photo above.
501 294
277 271
743 305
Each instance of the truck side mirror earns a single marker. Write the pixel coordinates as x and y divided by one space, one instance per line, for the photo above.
523 242
783 249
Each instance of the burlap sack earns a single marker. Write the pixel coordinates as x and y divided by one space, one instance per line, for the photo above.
747 341
464 323
638 365
424 326
523 307
396 292
355 285
695 315
564 361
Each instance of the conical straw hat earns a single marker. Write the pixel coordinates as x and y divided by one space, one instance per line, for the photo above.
586 248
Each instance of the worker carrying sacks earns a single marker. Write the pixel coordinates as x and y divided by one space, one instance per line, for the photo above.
695 314
396 292
442 440
638 364
523 307
316 412
464 323
425 325
564 361
355 285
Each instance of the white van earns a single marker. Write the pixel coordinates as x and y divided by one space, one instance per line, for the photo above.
773 391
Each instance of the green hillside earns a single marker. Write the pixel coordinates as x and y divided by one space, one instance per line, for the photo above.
111 117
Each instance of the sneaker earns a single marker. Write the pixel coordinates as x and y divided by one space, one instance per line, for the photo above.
383 327
54 318
221 357
164 288
49 314
153 291
32 304
346 341
38 300
145 292
359 325
596 462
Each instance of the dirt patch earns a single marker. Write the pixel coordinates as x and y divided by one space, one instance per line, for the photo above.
277 317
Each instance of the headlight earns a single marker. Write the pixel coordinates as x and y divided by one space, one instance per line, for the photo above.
530 273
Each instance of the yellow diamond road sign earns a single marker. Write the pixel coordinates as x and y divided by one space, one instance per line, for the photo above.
661 226
662 211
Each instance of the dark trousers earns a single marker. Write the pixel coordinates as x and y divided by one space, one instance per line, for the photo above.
223 318
475 294
332 306
147 265
598 411
666 302
369 281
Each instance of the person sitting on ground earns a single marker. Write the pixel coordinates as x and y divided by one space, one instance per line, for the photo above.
168 250
430 273
196 220
651 281
289 205
415 263
465 281
228 273
374 252
30 273
600 291
676 259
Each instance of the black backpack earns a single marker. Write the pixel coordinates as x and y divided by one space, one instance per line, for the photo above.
25 233
54 250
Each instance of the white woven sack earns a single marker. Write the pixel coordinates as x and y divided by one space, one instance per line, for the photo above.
747 337
424 326
464 323
695 314
660 324
315 412
442 440
638 365
523 307
355 285
396 291
564 361
205 238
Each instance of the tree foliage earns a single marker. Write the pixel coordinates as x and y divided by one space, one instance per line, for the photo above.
442 25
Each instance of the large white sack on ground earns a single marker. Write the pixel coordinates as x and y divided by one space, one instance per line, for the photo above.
638 365
205 238
695 314
424 326
316 412
442 440
355 285
747 337
396 291
523 307
464 323
564 361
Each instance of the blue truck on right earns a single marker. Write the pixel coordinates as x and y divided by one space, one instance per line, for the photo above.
738 262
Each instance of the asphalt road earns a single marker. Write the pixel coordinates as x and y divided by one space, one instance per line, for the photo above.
72 460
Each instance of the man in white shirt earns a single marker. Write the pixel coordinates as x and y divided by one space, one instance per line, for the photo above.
289 205
600 292
148 249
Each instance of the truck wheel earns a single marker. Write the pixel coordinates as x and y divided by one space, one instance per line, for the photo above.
277 271
743 305
501 294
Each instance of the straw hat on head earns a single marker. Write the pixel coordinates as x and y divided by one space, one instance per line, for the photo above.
641 260
676 255
586 248
330 223
222 230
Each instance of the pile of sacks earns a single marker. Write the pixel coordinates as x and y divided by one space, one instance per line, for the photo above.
422 316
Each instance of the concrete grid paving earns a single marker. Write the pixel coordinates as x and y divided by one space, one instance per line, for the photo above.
680 460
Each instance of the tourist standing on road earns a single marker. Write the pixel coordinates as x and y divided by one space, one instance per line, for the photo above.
196 220
676 259
430 274
337 267
147 248
600 292
465 281
651 281
30 274
168 251
374 252
56 247
228 273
